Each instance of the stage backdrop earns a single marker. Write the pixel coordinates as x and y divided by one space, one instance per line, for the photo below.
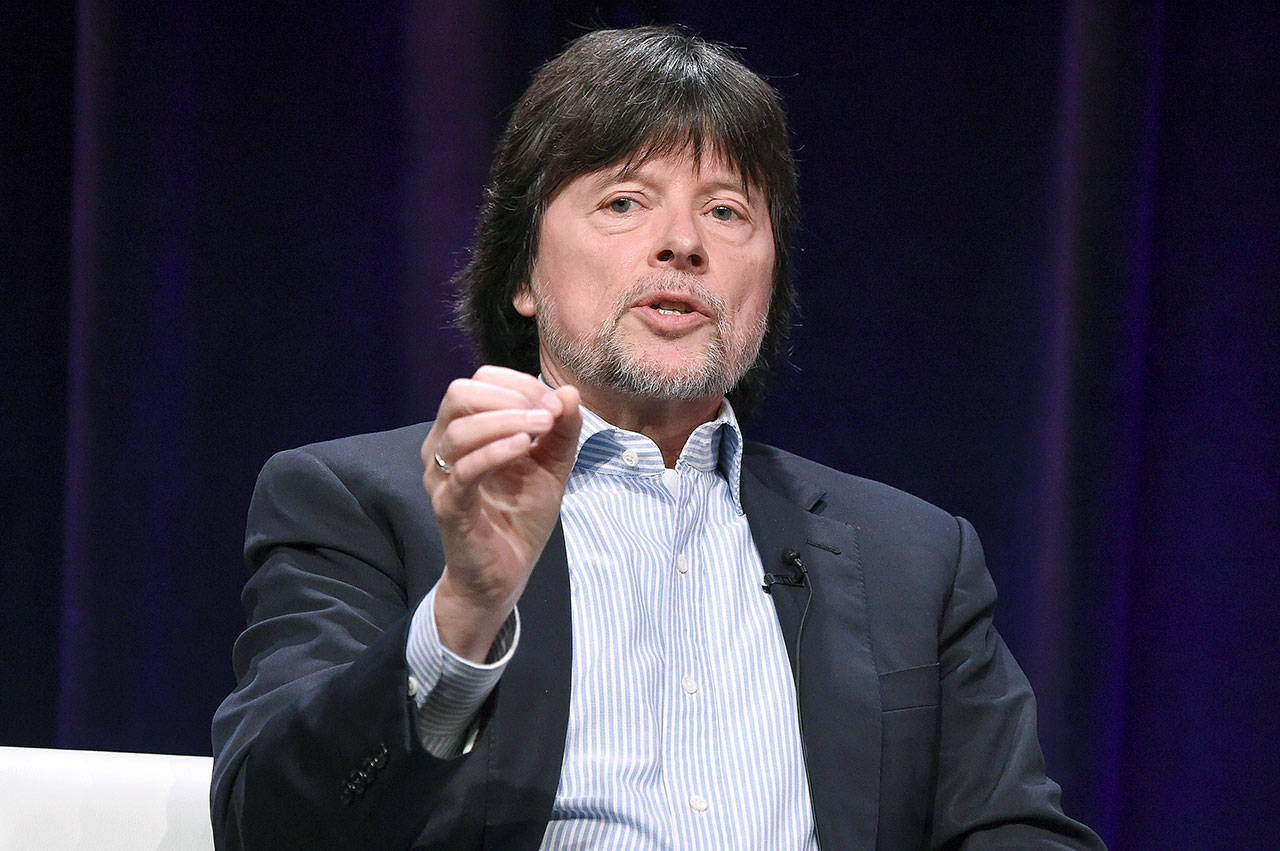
1039 288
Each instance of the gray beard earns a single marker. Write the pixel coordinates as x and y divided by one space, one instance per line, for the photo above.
602 360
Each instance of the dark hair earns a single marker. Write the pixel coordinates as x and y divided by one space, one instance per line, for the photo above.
614 96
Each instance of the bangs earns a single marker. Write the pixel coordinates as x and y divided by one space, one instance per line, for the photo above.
678 133
661 95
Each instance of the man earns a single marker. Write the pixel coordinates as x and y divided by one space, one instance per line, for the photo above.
592 615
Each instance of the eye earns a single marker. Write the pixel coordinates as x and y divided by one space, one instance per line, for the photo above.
621 205
723 212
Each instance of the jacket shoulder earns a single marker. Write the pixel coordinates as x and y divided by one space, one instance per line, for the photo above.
832 492
378 462
355 452
334 488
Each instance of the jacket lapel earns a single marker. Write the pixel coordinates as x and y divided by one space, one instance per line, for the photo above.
838 691
531 709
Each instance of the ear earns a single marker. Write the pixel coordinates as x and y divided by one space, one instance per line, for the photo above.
524 303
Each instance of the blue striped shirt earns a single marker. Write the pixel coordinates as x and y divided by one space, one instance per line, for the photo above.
683 730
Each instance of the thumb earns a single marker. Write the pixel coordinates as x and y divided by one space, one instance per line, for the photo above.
558 446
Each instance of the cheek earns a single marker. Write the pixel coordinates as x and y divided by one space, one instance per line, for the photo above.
760 293
760 309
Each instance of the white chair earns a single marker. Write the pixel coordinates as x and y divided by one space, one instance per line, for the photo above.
52 800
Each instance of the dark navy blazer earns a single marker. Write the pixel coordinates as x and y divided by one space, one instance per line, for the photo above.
918 726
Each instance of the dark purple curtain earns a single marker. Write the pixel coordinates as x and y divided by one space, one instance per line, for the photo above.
1040 278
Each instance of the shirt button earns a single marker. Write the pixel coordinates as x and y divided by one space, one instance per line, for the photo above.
682 563
689 684
698 803
630 458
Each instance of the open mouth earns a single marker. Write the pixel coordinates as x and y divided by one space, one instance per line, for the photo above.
672 304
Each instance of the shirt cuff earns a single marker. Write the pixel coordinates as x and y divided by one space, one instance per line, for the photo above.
447 690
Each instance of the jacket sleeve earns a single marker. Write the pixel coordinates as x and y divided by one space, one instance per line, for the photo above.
314 748
992 789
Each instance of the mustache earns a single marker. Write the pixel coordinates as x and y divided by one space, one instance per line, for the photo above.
673 283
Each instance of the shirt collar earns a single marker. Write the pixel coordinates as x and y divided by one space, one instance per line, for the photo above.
713 446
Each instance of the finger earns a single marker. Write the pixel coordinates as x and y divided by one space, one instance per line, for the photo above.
569 423
531 387
467 434
465 397
523 383
492 388
559 445
461 486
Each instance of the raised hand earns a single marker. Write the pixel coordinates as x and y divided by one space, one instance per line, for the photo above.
508 443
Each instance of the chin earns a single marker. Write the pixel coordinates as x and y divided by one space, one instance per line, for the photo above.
667 370
687 379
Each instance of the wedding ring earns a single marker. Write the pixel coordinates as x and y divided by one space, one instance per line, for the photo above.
440 464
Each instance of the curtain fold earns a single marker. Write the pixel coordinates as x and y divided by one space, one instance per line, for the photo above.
1039 284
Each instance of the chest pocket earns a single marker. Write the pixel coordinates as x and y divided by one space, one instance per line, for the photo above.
908 757
909 688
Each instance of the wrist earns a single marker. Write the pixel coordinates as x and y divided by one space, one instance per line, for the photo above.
467 623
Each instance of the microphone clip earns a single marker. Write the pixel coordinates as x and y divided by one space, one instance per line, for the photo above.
791 580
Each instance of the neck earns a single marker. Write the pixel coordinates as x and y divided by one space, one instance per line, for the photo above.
667 422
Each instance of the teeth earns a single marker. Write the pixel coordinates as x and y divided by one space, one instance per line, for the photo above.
669 311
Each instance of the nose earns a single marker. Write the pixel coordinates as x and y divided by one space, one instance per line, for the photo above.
679 243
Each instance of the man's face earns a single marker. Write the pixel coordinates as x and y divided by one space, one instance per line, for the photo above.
654 283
